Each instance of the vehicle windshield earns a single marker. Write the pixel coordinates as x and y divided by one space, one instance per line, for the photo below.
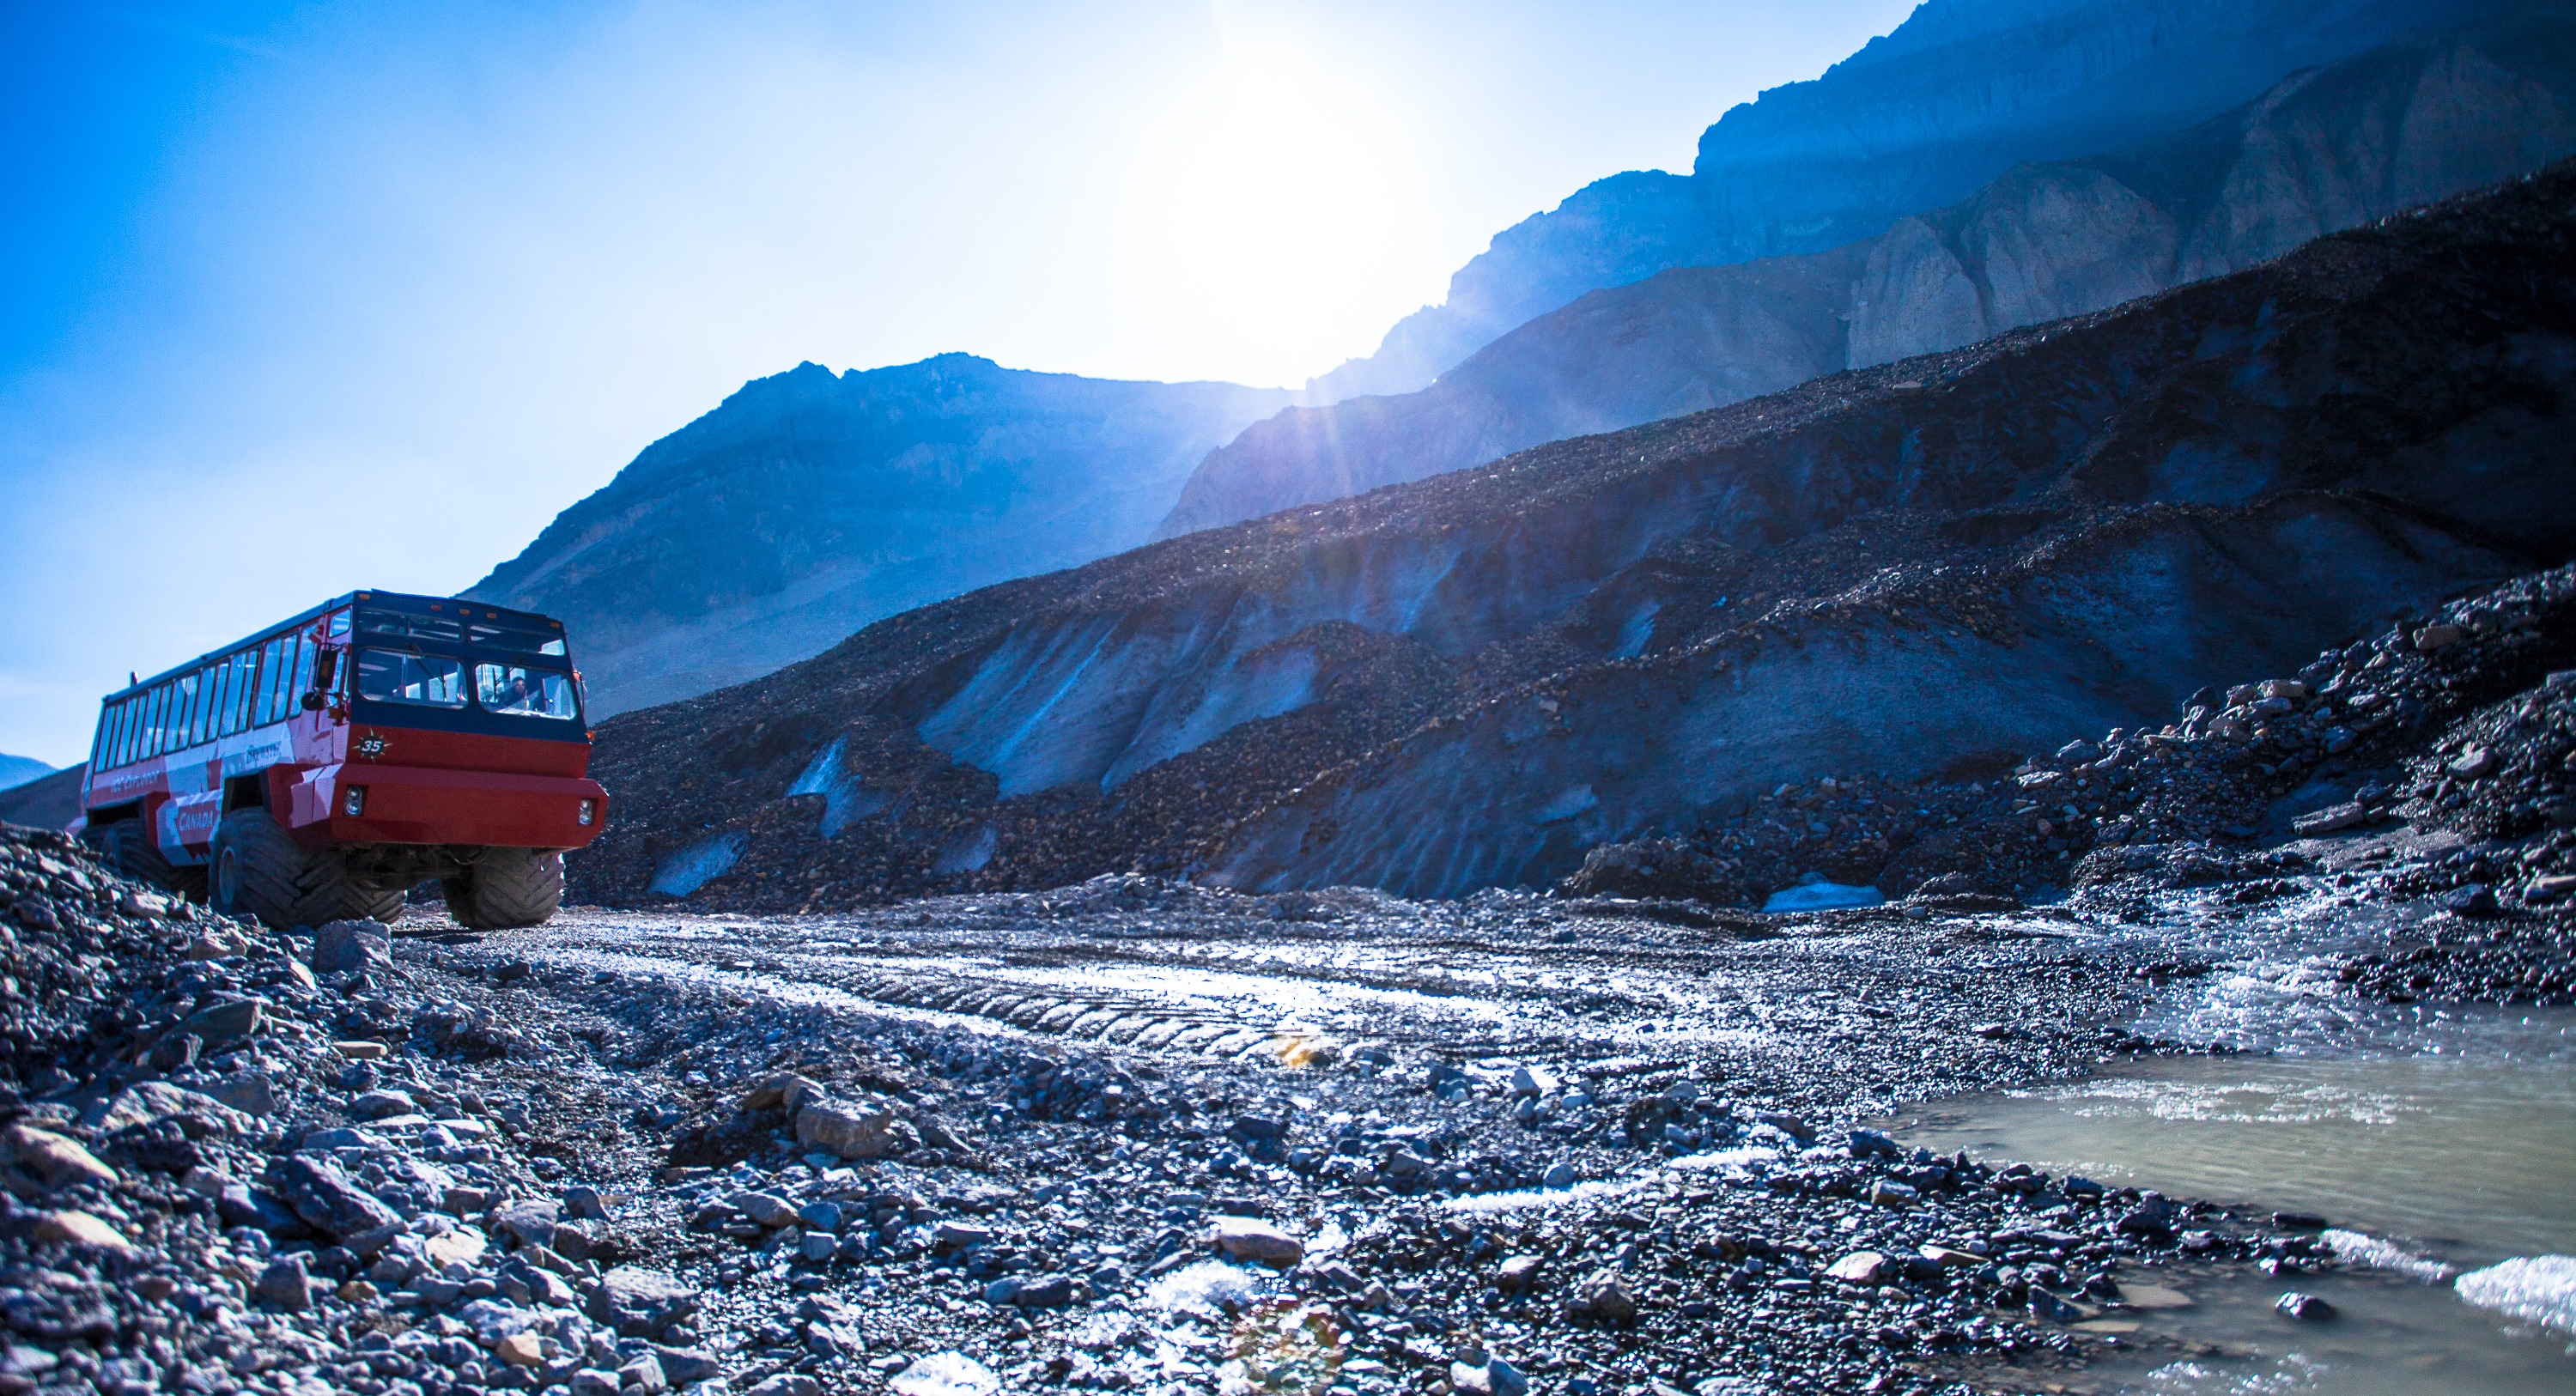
424 680
514 691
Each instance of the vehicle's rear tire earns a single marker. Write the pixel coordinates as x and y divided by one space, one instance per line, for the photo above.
506 887
129 846
257 870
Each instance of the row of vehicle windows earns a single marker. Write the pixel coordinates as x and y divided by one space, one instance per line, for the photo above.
258 686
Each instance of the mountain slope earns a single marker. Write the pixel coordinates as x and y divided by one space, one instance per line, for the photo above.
2327 149
809 504
1919 118
47 802
18 770
1935 564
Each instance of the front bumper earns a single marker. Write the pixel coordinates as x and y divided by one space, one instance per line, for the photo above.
415 804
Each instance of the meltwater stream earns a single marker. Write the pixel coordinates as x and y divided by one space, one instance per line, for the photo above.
2439 1143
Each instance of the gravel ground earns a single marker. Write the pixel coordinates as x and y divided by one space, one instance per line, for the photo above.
1129 1134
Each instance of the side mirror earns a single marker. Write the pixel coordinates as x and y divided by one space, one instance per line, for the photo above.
313 701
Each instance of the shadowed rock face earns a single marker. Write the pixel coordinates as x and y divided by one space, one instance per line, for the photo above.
810 503
2327 149
1959 93
47 802
1926 566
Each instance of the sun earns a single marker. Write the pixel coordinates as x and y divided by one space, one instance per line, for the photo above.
1273 185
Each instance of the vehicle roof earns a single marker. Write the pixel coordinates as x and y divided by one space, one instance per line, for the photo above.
391 600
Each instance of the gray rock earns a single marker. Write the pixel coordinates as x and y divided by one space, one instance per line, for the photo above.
351 946
1492 1377
1043 1292
594 1381
1602 1297
818 1246
223 1024
640 1303
686 1366
285 1284
1560 1175
326 1199
376 1104
854 1131
820 1216
584 1202
532 1221
787 1384
767 1208
239 1204
646 1374
2304 1306
2047 1306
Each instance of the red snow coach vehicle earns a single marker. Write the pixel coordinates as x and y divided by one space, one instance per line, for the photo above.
326 766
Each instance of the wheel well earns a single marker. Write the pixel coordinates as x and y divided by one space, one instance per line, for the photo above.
245 792
105 815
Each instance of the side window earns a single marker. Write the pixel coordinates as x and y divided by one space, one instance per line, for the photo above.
246 701
163 699
127 713
273 668
188 707
219 700
228 685
303 680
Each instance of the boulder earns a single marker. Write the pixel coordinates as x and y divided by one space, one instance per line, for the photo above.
220 1025
326 1199
1491 1377
77 1228
37 1160
351 946
641 1303
854 1131
1249 1238
1859 1268
1602 1297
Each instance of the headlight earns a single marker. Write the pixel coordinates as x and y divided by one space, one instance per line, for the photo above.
353 801
589 811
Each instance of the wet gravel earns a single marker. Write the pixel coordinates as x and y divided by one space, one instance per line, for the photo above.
1130 1134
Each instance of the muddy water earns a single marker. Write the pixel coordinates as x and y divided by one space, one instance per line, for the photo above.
2437 1143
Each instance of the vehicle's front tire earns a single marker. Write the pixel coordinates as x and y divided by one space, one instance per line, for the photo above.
256 869
506 887
129 847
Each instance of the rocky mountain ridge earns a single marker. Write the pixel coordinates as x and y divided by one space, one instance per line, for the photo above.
1919 118
810 503
2329 148
1928 567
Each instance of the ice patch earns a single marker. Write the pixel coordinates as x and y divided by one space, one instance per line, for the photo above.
844 802
945 1374
697 865
1732 1162
2537 1288
1572 801
2357 1248
1200 1287
1821 895
1519 1198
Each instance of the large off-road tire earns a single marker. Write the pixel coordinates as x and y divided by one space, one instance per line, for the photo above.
129 847
506 887
255 869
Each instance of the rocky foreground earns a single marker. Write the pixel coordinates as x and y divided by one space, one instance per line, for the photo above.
739 1154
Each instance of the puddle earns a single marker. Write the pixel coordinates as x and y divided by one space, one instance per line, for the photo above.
2442 1147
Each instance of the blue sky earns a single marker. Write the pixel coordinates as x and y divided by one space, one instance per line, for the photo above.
304 298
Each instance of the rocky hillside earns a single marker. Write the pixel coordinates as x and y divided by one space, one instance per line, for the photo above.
47 802
1931 567
2330 148
1959 93
809 503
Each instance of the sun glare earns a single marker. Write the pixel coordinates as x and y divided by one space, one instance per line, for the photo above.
1271 186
